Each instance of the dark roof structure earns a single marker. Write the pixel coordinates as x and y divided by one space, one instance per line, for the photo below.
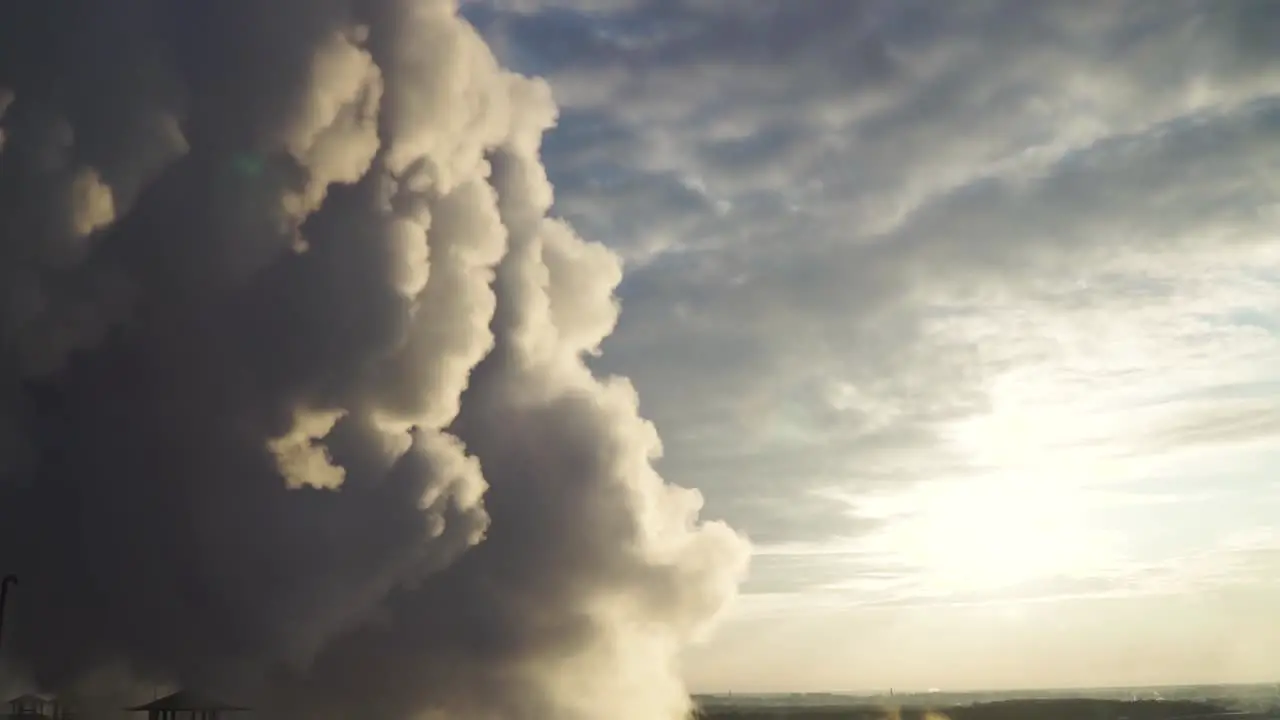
35 705
187 700
32 697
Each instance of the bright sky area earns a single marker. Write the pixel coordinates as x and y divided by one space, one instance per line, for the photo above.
966 313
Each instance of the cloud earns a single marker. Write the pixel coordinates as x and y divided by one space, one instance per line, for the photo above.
867 239
292 386
915 555
1222 424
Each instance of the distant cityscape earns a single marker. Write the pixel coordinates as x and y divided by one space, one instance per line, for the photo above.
1183 702
1259 699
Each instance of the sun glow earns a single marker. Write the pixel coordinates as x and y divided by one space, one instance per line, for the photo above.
1024 509
988 535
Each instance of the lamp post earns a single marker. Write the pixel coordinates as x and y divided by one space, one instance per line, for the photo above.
4 596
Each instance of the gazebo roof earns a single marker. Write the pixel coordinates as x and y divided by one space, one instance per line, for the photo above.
187 700
32 697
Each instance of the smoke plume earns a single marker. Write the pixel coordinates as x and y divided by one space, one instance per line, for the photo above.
293 403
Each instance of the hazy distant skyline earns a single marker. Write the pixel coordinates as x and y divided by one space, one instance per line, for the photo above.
966 313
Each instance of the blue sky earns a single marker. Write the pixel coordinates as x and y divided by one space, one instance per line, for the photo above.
965 313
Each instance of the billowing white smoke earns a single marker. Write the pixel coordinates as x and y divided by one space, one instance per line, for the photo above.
292 394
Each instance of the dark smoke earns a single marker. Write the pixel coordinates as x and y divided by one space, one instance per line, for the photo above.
292 399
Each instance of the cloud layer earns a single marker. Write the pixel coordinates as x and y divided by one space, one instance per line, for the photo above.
294 400
879 243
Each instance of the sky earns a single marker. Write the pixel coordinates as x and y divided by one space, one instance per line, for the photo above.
965 314
416 359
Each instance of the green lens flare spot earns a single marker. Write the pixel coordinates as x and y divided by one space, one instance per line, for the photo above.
247 165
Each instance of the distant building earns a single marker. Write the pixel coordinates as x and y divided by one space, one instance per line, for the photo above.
33 706
187 705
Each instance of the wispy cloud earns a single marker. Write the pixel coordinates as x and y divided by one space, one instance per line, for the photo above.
1047 549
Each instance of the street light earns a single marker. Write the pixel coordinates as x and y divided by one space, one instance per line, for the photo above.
4 596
